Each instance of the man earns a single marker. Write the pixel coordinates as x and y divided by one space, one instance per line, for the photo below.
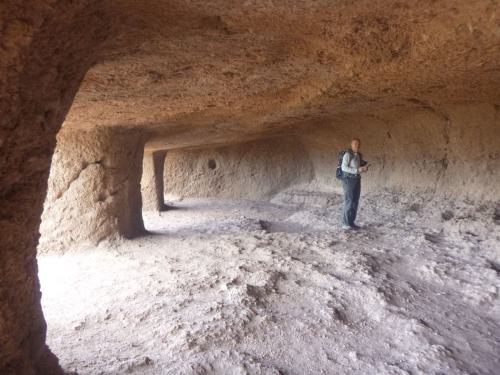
352 167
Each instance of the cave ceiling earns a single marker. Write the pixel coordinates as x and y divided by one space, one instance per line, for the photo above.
241 69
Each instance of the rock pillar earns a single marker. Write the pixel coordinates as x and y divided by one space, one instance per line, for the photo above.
94 189
152 180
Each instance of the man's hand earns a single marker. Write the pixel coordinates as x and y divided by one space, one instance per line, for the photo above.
363 169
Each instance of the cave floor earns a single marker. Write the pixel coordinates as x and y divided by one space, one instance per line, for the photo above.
240 287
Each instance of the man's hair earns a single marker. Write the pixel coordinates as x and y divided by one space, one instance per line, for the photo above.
356 139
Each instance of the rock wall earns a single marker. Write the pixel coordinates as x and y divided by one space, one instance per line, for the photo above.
447 151
40 72
252 170
94 189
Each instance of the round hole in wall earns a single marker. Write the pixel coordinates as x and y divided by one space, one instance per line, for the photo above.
212 164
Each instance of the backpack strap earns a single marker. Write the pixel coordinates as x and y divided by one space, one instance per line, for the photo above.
350 153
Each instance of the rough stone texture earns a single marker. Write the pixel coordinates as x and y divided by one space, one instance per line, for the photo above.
152 181
227 69
448 152
228 287
94 188
445 152
39 75
253 170
192 73
403 53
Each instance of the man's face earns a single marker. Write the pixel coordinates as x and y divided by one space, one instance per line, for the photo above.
355 145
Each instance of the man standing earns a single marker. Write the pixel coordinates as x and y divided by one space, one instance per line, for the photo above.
352 167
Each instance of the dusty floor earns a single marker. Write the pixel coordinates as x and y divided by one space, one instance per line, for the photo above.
233 287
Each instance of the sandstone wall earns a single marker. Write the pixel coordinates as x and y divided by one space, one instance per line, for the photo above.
444 151
447 151
94 188
40 72
252 170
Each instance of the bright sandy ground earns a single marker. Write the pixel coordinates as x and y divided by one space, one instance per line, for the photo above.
235 287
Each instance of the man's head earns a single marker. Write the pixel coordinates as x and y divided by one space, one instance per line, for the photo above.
355 144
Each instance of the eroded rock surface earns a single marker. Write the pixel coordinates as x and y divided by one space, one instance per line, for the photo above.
94 189
152 181
247 287
253 170
418 81
230 68
451 152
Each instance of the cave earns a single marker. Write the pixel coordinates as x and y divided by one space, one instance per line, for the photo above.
168 198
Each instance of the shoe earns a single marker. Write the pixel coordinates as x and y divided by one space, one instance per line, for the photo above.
346 227
356 227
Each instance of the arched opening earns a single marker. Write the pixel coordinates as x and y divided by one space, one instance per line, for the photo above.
238 116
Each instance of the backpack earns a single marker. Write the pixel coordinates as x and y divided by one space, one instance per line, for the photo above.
339 173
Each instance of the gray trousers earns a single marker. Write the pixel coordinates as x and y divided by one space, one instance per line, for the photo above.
352 191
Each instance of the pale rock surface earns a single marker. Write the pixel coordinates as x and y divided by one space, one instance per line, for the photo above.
152 188
94 189
246 287
257 169
453 152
